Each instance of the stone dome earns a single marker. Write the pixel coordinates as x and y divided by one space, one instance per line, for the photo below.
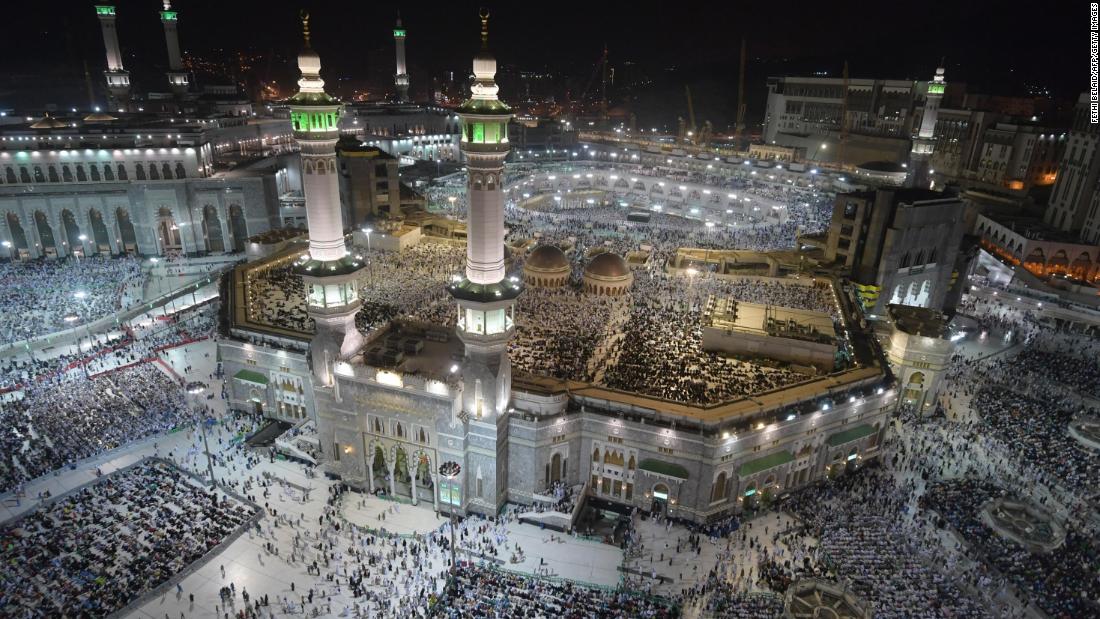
607 274
607 264
547 257
546 267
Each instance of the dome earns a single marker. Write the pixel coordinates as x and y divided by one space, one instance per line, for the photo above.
547 257
99 117
607 264
48 122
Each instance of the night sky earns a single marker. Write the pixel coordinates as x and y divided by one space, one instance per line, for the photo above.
993 47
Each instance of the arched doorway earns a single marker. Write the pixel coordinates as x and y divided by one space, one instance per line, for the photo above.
99 232
212 229
660 499
168 232
72 233
19 249
424 473
401 468
126 235
555 468
238 230
45 234
378 466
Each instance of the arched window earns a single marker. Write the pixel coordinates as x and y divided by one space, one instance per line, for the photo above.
718 491
66 174
630 463
108 173
165 171
139 172
122 172
53 175
38 176
596 454
94 170
10 175
180 171
80 175
153 174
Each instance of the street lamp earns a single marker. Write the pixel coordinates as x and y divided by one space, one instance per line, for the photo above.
451 470
370 263
81 238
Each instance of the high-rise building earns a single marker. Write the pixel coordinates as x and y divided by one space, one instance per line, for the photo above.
1075 201
118 78
328 273
486 301
178 79
401 77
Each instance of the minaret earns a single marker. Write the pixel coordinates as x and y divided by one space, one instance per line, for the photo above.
485 299
178 80
118 78
401 78
329 274
920 158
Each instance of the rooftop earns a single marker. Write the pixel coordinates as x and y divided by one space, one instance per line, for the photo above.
919 321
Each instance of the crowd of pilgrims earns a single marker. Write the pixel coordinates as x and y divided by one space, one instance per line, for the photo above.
93 552
1026 402
1062 582
44 296
406 284
475 592
76 405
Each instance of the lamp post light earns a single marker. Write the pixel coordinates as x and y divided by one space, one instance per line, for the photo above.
81 238
370 263
451 470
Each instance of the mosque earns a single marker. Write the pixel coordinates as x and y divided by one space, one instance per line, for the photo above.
196 169
438 416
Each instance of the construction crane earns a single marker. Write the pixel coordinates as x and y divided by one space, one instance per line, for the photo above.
603 86
599 69
703 139
691 115
843 118
739 125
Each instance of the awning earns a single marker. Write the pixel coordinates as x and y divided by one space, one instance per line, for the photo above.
769 461
250 376
660 467
852 434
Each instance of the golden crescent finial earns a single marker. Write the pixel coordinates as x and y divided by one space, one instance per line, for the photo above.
304 15
484 14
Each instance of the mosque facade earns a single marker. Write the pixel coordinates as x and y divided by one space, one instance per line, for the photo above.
435 416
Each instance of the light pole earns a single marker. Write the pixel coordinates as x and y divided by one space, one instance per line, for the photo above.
81 238
452 199
370 262
451 470
7 246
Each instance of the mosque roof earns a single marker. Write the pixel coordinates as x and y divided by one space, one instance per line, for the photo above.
99 117
484 106
48 122
547 257
607 264
313 98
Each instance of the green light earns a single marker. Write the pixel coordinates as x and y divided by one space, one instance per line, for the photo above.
311 121
936 89
104 10
168 15
398 32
